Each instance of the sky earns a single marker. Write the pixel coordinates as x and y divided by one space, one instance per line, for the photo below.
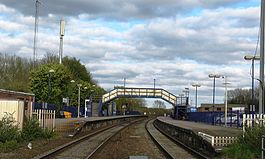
176 42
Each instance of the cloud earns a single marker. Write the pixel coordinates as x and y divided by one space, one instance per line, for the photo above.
116 9
162 43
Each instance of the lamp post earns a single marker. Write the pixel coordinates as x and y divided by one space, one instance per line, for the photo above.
78 107
49 83
187 93
252 58
214 76
79 92
196 93
124 81
225 83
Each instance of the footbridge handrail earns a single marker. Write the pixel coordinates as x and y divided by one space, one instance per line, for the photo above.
140 93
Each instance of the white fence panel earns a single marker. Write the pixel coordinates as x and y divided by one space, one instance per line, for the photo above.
218 141
46 118
251 120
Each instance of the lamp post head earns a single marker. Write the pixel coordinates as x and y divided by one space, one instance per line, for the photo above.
251 57
51 71
214 76
196 85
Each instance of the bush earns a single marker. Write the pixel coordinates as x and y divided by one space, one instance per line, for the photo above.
47 134
248 146
32 131
8 129
9 145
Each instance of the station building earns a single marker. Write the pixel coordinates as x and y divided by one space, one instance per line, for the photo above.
16 104
221 107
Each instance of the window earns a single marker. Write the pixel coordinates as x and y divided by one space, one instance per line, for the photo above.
218 109
206 108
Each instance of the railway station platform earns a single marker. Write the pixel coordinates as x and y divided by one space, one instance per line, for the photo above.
70 126
197 127
205 139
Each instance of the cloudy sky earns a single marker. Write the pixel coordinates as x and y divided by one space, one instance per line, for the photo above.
177 42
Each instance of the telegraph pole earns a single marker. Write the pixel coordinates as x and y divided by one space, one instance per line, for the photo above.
261 75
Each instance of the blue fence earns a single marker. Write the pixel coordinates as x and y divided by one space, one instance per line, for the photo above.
45 106
234 118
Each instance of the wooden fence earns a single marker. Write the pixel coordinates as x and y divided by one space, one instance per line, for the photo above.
251 120
46 118
217 141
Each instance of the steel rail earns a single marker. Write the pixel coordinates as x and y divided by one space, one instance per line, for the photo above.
195 152
166 153
99 147
68 145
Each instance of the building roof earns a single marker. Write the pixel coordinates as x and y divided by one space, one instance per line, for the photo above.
15 93
203 105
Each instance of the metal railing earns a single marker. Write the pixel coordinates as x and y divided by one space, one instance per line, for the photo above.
143 93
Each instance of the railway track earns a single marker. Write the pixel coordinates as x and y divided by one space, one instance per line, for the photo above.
170 148
91 145
85 146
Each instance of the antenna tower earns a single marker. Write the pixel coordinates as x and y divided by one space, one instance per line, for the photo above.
36 31
62 26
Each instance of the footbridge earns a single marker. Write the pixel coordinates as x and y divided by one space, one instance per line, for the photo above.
179 103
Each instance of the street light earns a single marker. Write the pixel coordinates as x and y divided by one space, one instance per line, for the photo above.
252 58
124 80
187 93
78 107
49 83
196 93
225 83
214 76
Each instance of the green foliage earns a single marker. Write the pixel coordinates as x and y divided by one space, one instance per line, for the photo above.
238 151
248 146
9 129
131 103
9 145
242 96
159 104
77 70
14 72
59 80
32 131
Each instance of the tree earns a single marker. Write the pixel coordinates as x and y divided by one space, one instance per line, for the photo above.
132 103
242 96
14 72
59 81
159 104
77 70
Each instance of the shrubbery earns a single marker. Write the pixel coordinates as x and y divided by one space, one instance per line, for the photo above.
32 130
247 147
11 136
9 133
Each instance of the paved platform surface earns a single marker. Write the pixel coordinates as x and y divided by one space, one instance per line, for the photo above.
205 128
67 120
69 124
